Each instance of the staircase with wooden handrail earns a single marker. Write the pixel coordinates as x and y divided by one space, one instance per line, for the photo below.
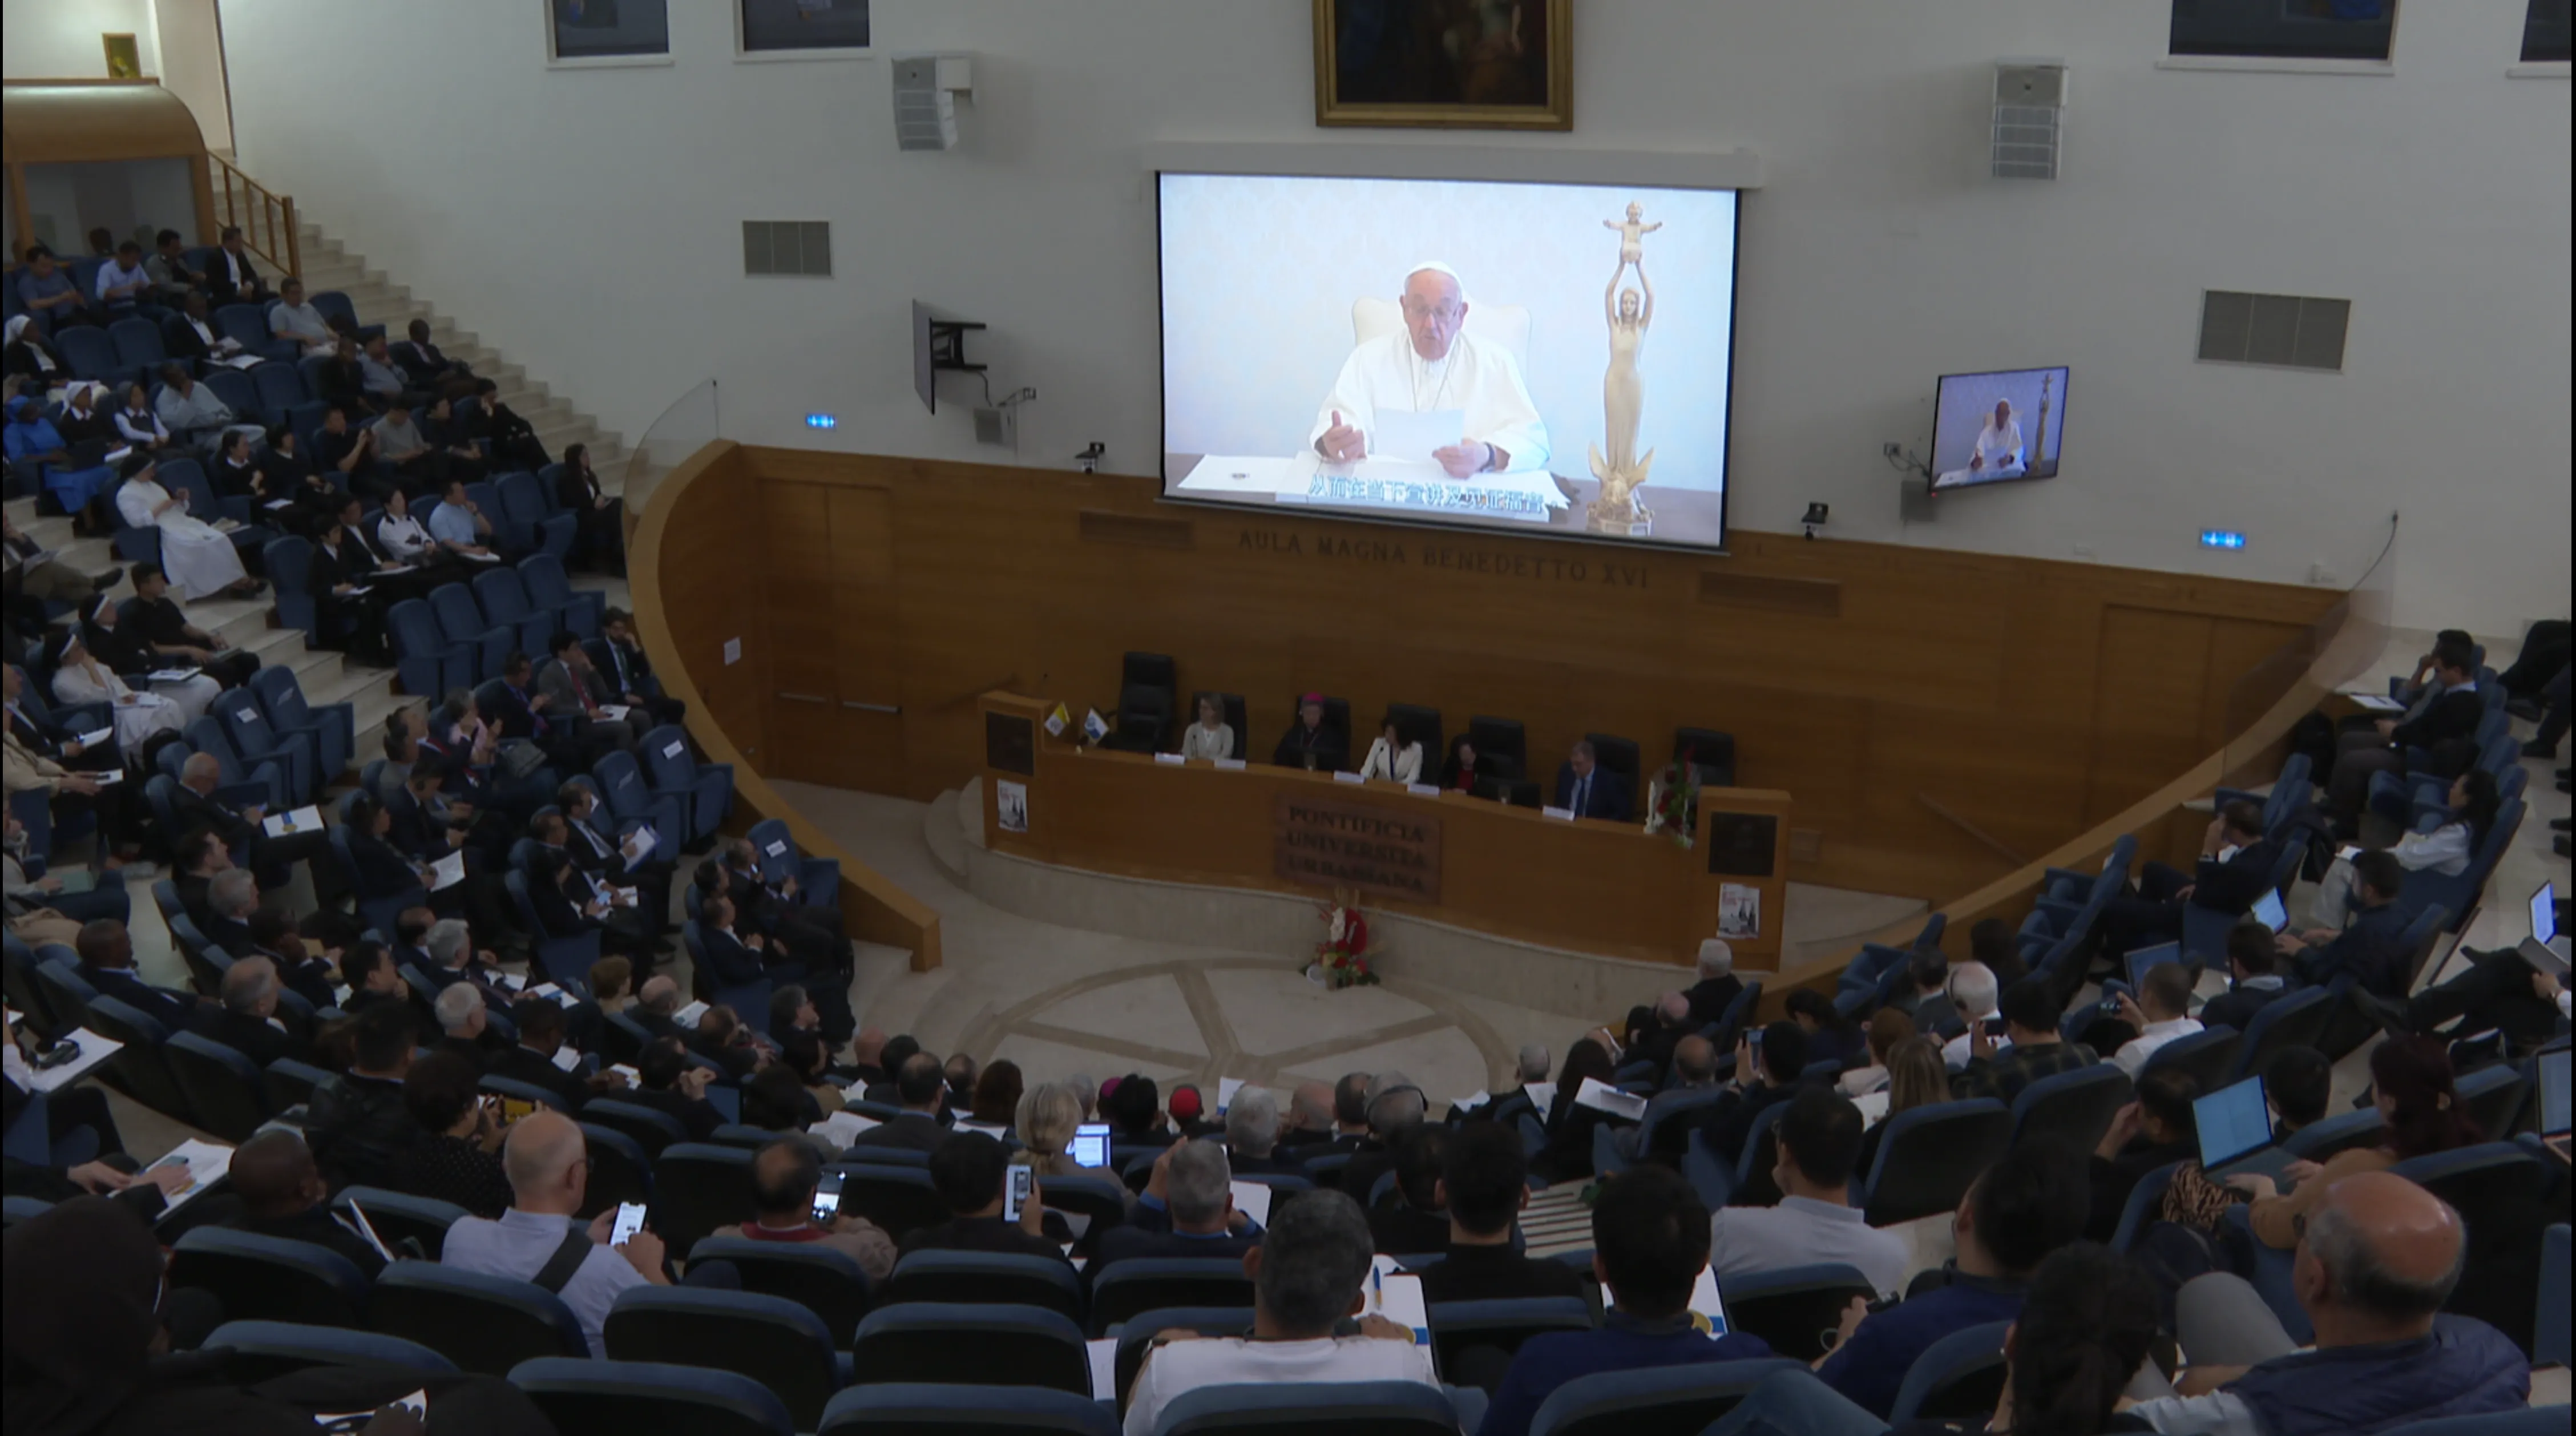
265 217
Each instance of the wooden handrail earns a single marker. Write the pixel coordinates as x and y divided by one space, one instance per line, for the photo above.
266 218
1971 829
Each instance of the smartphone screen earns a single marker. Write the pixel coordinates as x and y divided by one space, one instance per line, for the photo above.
1017 1193
1994 1026
827 1199
1090 1145
630 1220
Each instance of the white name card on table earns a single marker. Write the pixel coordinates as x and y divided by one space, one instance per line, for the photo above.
1342 777
1253 1200
566 1058
1226 1087
688 1016
1564 814
170 675
842 1128
1104 1367
1543 1094
447 872
612 712
206 1163
1231 765
1600 1096
93 739
1173 758
307 819
1423 790
633 1077
94 1049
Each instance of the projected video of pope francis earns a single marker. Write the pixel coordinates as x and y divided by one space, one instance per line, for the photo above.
1433 366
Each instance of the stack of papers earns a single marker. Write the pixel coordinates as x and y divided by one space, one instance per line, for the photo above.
307 819
1104 1367
447 872
688 1016
842 1128
206 1163
638 843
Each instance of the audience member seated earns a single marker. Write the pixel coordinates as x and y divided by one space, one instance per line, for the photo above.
230 276
2378 1258
418 464
783 1178
1412 1220
1186 1210
352 452
1484 1185
1567 1154
573 690
46 291
723 1039
1718 986
670 1084
997 1094
971 1172
1132 1106
2370 947
358 1122
919 1088
191 335
1975 993
1887 1027
1652 1032
462 1021
1391 756
2031 1047
422 362
1308 743
1768 1064
2446 730
2297 1087
194 416
1830 1035
107 964
2019 1210
600 539
245 1019
1308 1274
2160 1013
540 1022
2252 985
282 1194
1924 995
2410 1082
1650 1241
1815 1222
1252 1133
1327 1119
625 672
172 278
536 1240
2154 1128
1211 737
1393 1105
294 319
2499 992
2236 863
1585 791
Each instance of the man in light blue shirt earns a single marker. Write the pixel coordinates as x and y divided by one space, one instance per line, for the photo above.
457 525
122 282
537 1239
1814 1223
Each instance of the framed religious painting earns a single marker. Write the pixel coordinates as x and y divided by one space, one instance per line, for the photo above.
1454 64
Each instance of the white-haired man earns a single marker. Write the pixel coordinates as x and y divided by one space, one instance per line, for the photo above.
1430 366
1977 996
1717 986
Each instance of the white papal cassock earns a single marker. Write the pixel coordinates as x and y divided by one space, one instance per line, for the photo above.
1482 379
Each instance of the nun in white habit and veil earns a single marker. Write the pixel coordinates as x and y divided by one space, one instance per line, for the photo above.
199 557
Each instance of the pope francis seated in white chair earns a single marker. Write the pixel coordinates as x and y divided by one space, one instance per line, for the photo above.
1998 454
1430 352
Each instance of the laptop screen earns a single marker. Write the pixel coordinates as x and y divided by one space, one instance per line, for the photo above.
2544 914
1090 1145
2232 1121
2553 1093
2269 911
2143 958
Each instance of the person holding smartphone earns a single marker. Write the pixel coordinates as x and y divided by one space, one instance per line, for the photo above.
786 1182
994 1205
537 1241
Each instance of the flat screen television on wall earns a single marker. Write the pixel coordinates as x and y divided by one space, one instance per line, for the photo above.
1997 427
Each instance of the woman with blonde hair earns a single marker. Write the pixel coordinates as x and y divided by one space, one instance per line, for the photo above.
1044 1122
1916 1077
1887 1027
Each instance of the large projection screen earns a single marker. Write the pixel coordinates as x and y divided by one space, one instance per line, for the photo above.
1467 353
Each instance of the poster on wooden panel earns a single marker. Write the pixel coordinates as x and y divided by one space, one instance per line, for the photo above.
1383 852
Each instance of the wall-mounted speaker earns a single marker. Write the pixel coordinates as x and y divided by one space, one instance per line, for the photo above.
2029 121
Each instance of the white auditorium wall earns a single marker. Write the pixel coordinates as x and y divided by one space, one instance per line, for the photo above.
59 39
587 221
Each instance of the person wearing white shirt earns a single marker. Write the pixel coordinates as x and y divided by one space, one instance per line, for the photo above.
1998 454
1391 757
1814 1223
1975 995
535 1240
122 281
402 537
199 557
137 425
2160 1012
294 317
1432 366
1211 737
190 412
1309 1272
79 678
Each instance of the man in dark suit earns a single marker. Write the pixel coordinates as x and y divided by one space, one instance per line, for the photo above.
671 1085
1186 1210
230 276
1350 1121
2446 730
1587 790
2252 984
246 1020
723 1039
1764 1078
2236 863
569 902
971 1172
2371 947
592 840
625 671
1484 1182
107 964
919 1085
1394 1105
1414 1220
1718 986
734 958
516 710
1310 744
193 805
541 1025
283 1194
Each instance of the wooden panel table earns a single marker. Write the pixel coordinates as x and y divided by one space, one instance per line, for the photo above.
1585 885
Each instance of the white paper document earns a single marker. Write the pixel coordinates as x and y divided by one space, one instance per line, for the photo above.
633 1077
638 843
1231 765
1396 1294
1226 1087
93 739
2377 702
1423 790
1565 814
688 1016
307 819
170 675
206 1163
1403 434
1347 777
1104 1367
447 872
1600 1096
841 1128
1174 759
612 712
1227 474
566 1058
94 1050
1253 1200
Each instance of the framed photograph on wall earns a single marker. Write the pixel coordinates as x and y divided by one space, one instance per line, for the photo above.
124 57
607 32
1454 64
802 30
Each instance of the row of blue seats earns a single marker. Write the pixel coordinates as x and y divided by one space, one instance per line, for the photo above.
449 640
135 347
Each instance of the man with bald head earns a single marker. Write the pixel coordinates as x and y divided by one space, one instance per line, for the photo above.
1310 1116
1432 365
2374 1266
538 1240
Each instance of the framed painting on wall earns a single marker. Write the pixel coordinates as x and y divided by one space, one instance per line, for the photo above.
124 58
1455 64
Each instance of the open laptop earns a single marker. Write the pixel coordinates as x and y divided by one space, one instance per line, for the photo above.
2140 959
2270 911
2540 948
2235 1126
2553 1101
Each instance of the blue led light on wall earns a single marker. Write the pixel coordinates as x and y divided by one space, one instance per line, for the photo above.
822 421
2221 538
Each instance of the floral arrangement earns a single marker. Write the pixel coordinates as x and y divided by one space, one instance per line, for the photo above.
1673 802
1342 958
